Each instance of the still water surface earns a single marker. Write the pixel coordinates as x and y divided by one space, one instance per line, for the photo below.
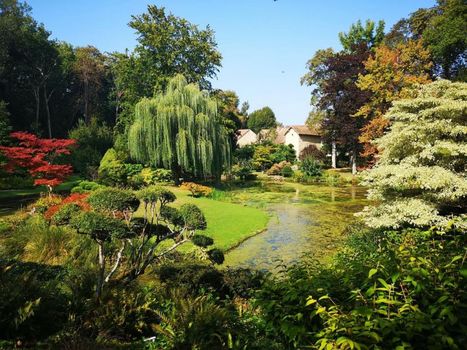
305 219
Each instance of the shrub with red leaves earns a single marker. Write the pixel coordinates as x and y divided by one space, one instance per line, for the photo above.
76 198
37 156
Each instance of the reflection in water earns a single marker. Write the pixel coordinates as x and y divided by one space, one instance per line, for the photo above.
309 220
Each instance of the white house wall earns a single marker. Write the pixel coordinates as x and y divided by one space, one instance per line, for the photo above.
300 142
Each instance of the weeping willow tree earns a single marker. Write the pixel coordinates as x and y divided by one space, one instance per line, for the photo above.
180 130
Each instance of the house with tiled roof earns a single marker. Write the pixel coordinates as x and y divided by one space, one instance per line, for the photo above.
301 136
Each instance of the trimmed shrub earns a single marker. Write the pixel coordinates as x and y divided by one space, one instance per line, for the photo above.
216 255
202 241
196 190
113 199
86 186
193 217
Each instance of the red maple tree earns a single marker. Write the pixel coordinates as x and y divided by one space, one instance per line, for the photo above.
37 155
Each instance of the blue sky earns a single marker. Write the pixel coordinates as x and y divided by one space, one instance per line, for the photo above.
265 44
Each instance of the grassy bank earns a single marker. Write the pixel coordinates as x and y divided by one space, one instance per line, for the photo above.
228 223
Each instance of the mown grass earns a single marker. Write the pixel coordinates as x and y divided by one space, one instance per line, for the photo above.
227 223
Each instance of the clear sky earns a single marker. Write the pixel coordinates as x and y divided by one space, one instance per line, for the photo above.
265 44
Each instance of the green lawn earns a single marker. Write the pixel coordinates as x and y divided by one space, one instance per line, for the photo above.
228 223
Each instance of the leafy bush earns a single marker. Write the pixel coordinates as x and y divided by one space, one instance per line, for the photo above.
163 175
384 289
267 154
216 255
287 171
202 240
191 276
196 190
33 302
113 200
310 167
75 198
243 171
150 176
283 153
65 213
45 202
195 323
112 170
244 154
85 186
277 168
125 313
193 217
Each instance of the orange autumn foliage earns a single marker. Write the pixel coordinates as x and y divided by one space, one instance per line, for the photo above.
392 74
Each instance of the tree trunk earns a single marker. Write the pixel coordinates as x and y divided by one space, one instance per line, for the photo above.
334 155
86 102
354 161
46 98
100 276
177 174
36 91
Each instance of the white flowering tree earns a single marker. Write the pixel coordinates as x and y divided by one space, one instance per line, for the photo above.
420 178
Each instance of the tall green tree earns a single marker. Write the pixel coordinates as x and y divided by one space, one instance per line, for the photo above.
228 103
263 118
5 126
90 70
169 45
370 35
442 30
180 130
446 38
27 58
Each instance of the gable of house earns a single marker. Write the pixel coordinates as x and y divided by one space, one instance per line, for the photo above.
245 137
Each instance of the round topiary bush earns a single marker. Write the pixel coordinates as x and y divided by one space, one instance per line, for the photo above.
202 241
216 255
113 199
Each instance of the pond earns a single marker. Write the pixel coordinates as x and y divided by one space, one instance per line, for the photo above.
10 205
306 219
